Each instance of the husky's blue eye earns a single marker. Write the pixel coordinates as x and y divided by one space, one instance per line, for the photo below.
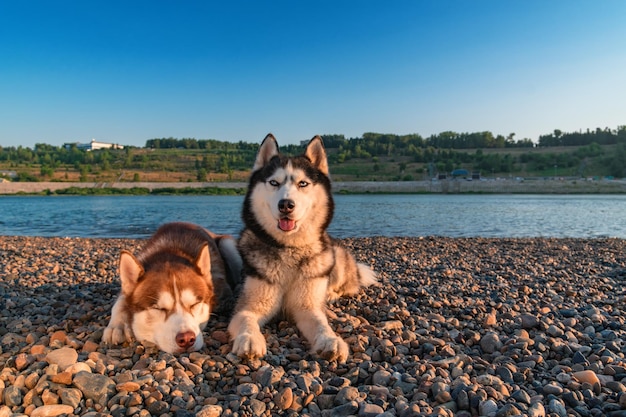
273 183
302 184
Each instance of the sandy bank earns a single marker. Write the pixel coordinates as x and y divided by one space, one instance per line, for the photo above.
541 186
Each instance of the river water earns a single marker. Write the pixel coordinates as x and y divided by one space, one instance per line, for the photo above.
579 216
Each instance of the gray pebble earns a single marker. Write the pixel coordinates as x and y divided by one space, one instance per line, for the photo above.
70 396
553 389
490 342
269 375
521 396
346 395
94 386
536 410
257 407
370 410
247 389
343 410
508 410
556 406
487 407
381 377
12 396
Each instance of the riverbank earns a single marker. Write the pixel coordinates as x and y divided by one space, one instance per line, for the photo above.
457 327
457 186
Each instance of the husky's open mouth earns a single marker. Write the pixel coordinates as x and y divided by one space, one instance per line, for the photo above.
286 224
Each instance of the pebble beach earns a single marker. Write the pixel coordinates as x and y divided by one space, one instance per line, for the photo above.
457 327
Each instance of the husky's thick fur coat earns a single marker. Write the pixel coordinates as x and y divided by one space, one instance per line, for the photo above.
290 263
172 287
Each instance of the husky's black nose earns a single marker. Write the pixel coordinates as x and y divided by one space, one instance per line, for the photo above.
185 339
286 206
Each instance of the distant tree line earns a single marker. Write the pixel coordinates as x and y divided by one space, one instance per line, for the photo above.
445 151
388 144
414 145
600 136
378 144
56 155
191 143
210 145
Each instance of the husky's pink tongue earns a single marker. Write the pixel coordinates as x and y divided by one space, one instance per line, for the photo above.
286 225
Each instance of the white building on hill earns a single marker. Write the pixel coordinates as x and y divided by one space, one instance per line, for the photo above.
95 145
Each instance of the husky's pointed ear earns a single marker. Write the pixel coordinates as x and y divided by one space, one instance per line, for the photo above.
130 271
317 154
269 148
203 261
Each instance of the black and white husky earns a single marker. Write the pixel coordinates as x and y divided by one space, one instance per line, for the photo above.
290 263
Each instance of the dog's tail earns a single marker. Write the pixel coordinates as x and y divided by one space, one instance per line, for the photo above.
367 276
348 276
228 249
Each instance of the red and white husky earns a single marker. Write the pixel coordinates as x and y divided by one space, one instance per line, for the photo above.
172 287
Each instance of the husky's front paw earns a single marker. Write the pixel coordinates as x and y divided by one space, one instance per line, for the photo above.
249 345
118 331
117 334
332 348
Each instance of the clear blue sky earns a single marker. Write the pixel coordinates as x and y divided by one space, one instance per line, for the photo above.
128 71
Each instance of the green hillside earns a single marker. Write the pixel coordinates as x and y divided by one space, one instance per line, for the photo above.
372 157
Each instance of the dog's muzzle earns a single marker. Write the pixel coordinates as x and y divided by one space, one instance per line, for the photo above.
286 207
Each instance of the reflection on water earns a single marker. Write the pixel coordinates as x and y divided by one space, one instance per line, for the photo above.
355 215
